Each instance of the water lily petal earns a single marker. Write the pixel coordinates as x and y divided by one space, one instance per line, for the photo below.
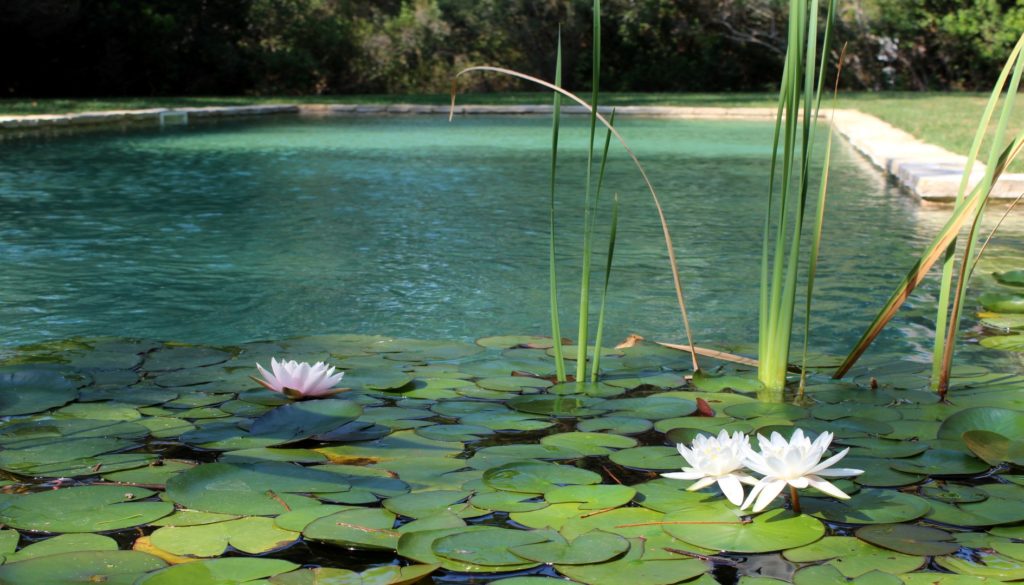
732 489
771 489
826 487
687 475
830 461
702 483
840 472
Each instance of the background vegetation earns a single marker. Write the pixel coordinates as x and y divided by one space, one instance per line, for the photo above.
81 48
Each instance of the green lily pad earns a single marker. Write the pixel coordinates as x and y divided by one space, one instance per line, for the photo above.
1004 342
1001 321
1004 421
115 567
651 407
30 391
984 564
536 477
300 420
870 506
510 341
942 462
719 526
556 406
386 575
262 489
994 448
954 493
636 569
418 546
591 497
229 571
501 454
623 425
1010 277
853 557
82 509
910 539
649 458
490 547
589 548
63 543
454 432
757 409
829 575
500 501
400 445
251 535
424 504
184 357
1002 302
590 444
715 383
364 528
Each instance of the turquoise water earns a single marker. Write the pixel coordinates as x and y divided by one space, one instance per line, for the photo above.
417 227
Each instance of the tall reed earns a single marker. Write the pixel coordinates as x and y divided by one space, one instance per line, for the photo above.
969 209
798 106
591 196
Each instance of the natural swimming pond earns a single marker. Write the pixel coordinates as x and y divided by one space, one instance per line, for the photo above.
454 460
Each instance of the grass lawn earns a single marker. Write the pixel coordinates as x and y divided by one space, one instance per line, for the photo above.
946 119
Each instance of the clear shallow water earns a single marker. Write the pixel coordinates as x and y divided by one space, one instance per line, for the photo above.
417 227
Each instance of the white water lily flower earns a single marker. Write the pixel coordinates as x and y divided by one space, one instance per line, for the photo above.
300 380
716 459
796 463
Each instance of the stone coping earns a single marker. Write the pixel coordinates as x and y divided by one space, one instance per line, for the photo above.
927 171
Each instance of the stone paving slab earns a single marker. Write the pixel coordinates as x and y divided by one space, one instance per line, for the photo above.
925 170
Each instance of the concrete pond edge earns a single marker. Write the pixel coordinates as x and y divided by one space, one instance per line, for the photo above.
929 172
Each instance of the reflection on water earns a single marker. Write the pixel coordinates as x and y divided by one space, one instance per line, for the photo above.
417 227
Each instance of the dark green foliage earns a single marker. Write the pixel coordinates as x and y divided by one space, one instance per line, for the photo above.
199 47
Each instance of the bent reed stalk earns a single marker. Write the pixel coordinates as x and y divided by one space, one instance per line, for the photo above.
677 280
968 207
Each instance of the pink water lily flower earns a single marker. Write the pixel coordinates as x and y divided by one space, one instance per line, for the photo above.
300 380
716 460
796 463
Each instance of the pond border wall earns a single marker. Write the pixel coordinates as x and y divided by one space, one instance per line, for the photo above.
927 171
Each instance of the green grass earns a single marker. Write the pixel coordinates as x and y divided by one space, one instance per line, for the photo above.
946 119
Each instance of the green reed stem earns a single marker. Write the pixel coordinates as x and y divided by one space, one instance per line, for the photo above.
556 116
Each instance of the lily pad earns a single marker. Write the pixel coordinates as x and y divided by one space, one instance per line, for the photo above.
1006 422
116 567
636 569
262 489
870 506
589 548
536 477
29 391
92 508
718 526
228 571
365 528
63 543
994 448
1002 302
301 420
909 539
853 557
489 547
251 535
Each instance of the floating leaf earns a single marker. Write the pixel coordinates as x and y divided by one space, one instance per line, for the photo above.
909 539
250 489
1004 421
994 448
250 535
717 525
116 567
488 547
371 528
1002 302
228 571
300 420
870 506
589 548
853 557
29 391
92 508
636 569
